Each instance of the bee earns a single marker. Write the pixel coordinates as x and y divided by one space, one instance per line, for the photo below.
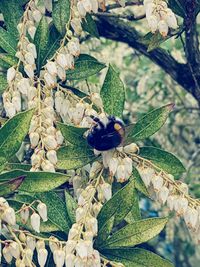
106 134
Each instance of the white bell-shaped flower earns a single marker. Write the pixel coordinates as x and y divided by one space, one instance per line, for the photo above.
42 257
35 222
42 210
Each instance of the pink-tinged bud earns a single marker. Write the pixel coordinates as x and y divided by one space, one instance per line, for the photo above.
42 257
24 213
8 216
42 210
32 49
59 257
11 72
35 222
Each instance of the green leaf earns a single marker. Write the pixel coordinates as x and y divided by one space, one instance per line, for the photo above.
12 134
72 134
163 159
41 41
89 25
61 15
149 124
8 42
118 206
6 60
3 83
104 232
136 233
56 210
36 181
85 66
10 186
139 184
134 214
73 157
136 257
18 166
178 7
71 207
113 93
12 13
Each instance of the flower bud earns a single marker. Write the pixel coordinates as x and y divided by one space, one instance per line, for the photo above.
40 244
29 58
15 250
95 6
32 49
51 68
50 80
70 246
81 9
70 260
96 208
59 137
35 222
37 15
28 256
42 257
163 194
24 213
131 148
34 139
52 156
11 72
42 210
107 190
23 86
7 255
74 47
31 31
157 182
10 109
92 225
8 216
50 142
52 243
61 73
29 70
163 28
59 257
16 101
31 242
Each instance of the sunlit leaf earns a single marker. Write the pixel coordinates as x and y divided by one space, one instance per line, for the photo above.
61 14
71 207
8 42
8 187
3 83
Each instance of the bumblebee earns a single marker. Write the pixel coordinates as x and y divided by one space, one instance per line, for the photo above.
106 134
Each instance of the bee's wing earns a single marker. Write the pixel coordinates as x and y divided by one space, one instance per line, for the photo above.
128 130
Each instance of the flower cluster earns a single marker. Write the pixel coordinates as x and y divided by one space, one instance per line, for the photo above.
159 16
116 160
165 189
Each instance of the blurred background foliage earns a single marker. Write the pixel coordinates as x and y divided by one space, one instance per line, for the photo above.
148 87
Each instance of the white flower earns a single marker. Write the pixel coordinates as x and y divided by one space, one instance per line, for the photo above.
87 5
163 28
53 243
8 216
181 205
171 19
49 79
51 68
191 217
131 148
91 224
163 194
50 142
70 260
28 256
59 137
153 23
128 164
11 72
29 57
15 250
42 257
32 49
23 85
70 246
32 92
84 248
29 70
81 213
96 208
76 25
74 47
120 174
95 169
107 190
95 5
47 166
61 73
81 9
72 234
16 101
96 99
171 201
42 210
35 222
34 139
59 257
31 31
31 242
24 213
7 255
40 244
146 175
157 182
52 156
37 15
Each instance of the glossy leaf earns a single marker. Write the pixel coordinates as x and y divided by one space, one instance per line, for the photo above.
73 157
118 206
6 60
12 12
85 66
104 232
8 187
18 166
12 134
136 233
136 257
41 41
149 124
139 184
61 15
8 42
113 93
71 207
134 214
89 25
72 134
163 159
36 181
56 210
3 83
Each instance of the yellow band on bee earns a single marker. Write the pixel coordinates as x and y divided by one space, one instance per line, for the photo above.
117 126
